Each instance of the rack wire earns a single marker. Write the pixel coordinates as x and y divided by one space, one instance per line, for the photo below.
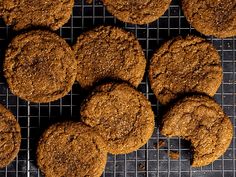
148 160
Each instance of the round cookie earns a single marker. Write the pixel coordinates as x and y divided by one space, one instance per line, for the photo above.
109 53
217 18
71 149
22 14
122 116
138 11
10 137
200 120
181 65
40 66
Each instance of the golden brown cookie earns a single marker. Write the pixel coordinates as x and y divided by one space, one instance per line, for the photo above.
23 14
217 18
138 11
185 64
10 137
122 116
40 66
200 120
109 53
71 149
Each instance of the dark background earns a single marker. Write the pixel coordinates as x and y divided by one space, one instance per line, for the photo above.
147 161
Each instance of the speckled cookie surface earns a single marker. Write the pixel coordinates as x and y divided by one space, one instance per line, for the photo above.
138 11
22 14
200 120
181 65
71 149
211 17
109 52
39 66
122 115
10 137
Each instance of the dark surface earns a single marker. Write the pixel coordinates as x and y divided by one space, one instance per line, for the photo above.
147 161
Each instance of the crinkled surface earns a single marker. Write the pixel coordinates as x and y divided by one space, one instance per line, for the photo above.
138 11
122 115
185 65
200 120
71 149
211 17
22 14
109 52
40 66
10 137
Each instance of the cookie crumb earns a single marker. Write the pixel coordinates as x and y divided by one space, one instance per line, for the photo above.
89 1
160 144
141 167
174 155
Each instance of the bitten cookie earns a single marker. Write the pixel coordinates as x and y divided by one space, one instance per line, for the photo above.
71 149
138 11
200 120
217 18
109 52
23 14
10 137
40 66
185 64
122 116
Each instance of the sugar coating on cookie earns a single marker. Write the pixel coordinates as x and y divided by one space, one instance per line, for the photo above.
138 11
109 53
217 18
122 116
182 65
200 120
71 149
22 14
10 137
39 66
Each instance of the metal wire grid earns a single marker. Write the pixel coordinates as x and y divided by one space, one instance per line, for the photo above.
147 161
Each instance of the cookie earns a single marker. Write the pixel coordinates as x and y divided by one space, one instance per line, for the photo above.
109 52
200 120
10 137
137 12
185 64
22 14
71 149
217 18
122 116
39 66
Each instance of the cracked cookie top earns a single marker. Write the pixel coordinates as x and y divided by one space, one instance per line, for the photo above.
211 17
10 137
122 116
71 149
22 14
138 11
200 120
109 53
39 66
181 65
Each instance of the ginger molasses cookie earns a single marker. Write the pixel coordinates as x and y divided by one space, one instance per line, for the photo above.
217 18
40 66
10 137
138 11
22 14
122 116
109 52
185 64
71 149
200 120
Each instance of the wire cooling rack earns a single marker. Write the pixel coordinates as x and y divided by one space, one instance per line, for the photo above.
148 160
